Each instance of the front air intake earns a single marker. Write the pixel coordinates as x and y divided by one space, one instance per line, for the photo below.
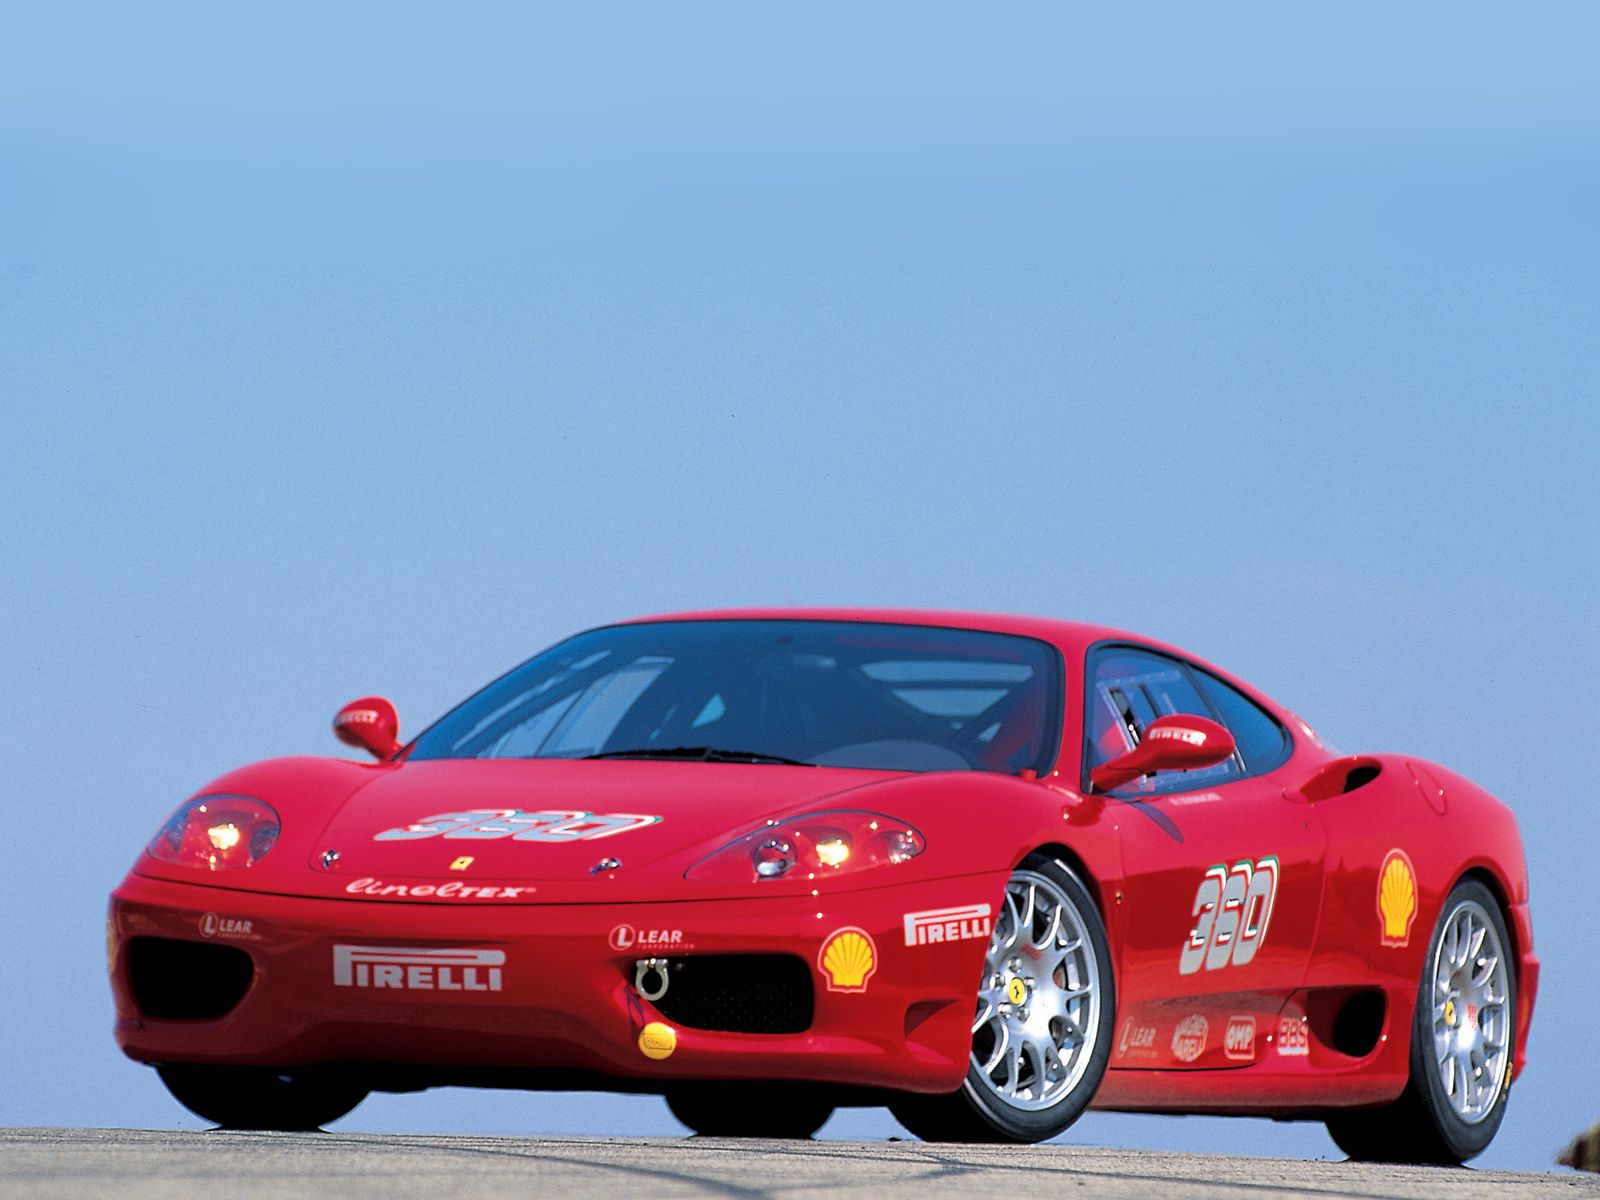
736 993
174 980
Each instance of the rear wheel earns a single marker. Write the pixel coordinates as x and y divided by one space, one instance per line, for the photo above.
1041 1035
753 1110
262 1098
1463 1035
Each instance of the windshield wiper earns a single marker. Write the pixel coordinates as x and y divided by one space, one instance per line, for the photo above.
702 754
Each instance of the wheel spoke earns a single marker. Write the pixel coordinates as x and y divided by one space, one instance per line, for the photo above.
1013 1067
1002 1043
986 1010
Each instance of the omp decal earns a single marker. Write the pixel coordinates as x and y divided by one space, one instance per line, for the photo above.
647 941
1232 909
847 959
1397 898
368 886
493 824
418 969
1239 1039
948 924
1189 1038
1293 1041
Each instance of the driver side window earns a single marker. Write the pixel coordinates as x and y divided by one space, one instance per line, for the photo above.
1130 688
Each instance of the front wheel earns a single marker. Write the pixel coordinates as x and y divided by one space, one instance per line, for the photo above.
262 1098
1041 1034
1463 1036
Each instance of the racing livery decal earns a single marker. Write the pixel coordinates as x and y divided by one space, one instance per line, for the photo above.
412 969
491 824
1293 1040
847 959
1189 1038
1239 1039
368 886
1397 898
213 925
647 941
1232 909
948 924
1135 1040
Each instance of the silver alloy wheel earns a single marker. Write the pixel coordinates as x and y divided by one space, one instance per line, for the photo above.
1039 1006
1472 1032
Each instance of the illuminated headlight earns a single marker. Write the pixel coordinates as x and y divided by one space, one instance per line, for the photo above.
217 833
816 846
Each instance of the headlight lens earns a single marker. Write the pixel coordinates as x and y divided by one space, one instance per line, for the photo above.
818 845
217 833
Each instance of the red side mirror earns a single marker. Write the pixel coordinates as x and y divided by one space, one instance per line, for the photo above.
1177 742
370 724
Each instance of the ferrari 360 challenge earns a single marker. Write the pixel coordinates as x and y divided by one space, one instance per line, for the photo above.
985 870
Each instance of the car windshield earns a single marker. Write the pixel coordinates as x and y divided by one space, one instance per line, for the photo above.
818 693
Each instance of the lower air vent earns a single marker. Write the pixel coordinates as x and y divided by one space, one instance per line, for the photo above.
738 993
187 981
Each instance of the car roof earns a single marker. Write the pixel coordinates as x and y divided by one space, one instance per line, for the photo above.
1067 635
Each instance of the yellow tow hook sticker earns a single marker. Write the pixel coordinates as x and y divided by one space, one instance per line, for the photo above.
658 1040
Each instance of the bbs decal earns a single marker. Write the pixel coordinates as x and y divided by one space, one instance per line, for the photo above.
1232 910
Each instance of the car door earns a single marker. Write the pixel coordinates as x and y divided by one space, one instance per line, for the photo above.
1222 871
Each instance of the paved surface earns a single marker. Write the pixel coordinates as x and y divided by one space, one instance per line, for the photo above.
139 1165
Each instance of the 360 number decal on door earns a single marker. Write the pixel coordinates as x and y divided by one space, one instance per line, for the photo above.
1232 909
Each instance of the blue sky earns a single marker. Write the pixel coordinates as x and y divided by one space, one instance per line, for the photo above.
377 360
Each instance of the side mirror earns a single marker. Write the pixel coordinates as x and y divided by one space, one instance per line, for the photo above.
1177 742
369 724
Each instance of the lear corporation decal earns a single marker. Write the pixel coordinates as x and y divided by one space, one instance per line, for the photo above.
425 969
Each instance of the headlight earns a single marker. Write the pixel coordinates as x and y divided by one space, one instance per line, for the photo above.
216 833
816 846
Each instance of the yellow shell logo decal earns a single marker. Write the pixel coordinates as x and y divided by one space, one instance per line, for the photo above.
847 959
1397 898
657 1040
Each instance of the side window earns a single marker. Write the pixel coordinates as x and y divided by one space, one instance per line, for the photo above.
1130 688
1261 740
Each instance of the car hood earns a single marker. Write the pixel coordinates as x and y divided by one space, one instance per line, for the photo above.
521 830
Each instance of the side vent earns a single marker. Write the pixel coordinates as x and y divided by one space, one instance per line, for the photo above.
1349 1020
1341 777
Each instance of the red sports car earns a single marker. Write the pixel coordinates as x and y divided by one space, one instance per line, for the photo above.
985 870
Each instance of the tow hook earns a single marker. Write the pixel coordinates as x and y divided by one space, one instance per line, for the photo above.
643 971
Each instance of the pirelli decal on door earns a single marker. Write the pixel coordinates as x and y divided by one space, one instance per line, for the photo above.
1232 910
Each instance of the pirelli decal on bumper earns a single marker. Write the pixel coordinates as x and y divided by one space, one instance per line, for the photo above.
938 925
423 969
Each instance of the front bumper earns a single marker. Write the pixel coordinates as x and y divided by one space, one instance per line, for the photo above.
561 999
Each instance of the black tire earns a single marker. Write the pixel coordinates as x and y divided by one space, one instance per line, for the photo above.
981 1110
262 1098
1424 1124
750 1110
